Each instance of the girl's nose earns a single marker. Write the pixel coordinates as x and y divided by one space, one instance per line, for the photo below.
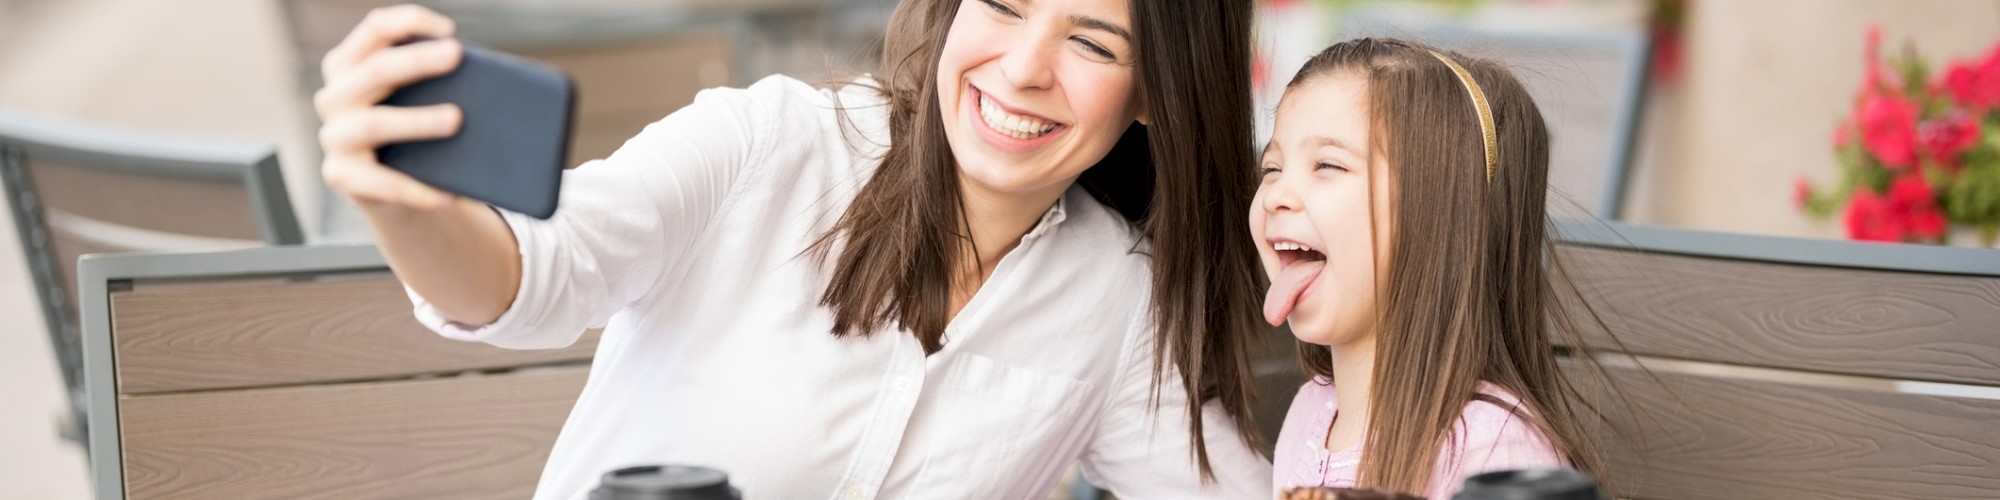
1280 196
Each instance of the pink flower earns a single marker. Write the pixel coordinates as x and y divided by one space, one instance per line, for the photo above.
1889 129
1912 200
1975 84
1868 220
1947 137
1801 192
1908 213
1874 75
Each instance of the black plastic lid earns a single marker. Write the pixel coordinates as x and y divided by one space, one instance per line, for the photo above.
1536 484
665 482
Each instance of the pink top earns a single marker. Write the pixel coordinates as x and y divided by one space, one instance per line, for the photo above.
1488 437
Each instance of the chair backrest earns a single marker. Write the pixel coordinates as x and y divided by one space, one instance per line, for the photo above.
1767 367
299 372
76 189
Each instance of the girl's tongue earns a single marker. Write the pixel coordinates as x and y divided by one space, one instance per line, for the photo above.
1287 286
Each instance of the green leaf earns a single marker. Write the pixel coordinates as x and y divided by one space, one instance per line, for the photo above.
1975 197
1915 71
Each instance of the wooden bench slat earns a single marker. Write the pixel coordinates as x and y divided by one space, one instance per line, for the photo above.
455 437
1697 437
249 333
1889 324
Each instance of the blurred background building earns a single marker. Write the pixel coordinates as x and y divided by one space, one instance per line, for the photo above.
1699 113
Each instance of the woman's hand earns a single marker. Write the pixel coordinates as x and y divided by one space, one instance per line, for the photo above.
454 252
362 71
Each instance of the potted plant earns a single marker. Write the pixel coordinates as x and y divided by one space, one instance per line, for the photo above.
1919 153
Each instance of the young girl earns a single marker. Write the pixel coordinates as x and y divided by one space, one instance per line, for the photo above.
1401 220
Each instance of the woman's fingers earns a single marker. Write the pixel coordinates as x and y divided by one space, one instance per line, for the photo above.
381 29
362 71
364 130
372 79
369 183
352 168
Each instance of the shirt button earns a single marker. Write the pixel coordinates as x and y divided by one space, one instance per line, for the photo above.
902 384
854 492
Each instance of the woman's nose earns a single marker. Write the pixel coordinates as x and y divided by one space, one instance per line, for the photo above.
1029 62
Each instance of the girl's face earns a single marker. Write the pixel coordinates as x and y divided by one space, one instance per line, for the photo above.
1034 92
1320 216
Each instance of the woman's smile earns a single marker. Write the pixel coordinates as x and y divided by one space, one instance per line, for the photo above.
1007 128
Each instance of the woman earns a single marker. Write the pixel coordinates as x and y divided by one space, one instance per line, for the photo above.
1020 242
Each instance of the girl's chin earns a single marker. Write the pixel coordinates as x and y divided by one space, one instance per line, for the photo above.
1309 328
1309 331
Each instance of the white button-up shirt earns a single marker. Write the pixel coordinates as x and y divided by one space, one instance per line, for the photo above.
688 245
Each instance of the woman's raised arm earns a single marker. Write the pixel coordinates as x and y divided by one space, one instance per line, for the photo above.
455 252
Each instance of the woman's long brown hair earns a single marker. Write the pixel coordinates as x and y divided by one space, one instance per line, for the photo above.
1184 179
1470 289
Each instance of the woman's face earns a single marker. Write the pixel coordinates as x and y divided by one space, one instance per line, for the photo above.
1034 92
1320 218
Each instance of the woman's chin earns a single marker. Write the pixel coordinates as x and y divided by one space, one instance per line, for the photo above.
1000 178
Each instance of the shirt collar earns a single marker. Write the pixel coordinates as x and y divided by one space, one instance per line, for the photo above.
1050 219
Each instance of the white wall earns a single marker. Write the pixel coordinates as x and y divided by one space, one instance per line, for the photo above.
1766 82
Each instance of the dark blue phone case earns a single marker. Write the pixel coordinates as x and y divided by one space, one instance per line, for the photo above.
510 150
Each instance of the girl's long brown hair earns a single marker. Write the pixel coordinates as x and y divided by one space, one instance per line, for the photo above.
1183 179
1471 283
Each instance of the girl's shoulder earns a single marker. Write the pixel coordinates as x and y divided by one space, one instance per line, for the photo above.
1495 416
1493 404
1494 432
1316 388
1312 409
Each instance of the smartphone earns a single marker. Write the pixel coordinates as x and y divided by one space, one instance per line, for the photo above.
510 149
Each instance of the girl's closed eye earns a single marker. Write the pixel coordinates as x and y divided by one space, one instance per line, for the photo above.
1329 166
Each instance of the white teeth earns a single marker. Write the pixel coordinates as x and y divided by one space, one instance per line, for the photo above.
1289 246
1012 125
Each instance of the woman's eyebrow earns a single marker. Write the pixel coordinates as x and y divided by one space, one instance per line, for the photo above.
1101 25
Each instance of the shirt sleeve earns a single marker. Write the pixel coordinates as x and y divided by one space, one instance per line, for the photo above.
623 221
1143 451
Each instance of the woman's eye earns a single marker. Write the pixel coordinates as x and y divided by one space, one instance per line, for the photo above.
1094 48
1325 165
1267 170
1002 9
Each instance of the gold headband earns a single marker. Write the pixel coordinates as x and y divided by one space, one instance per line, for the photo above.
1485 112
